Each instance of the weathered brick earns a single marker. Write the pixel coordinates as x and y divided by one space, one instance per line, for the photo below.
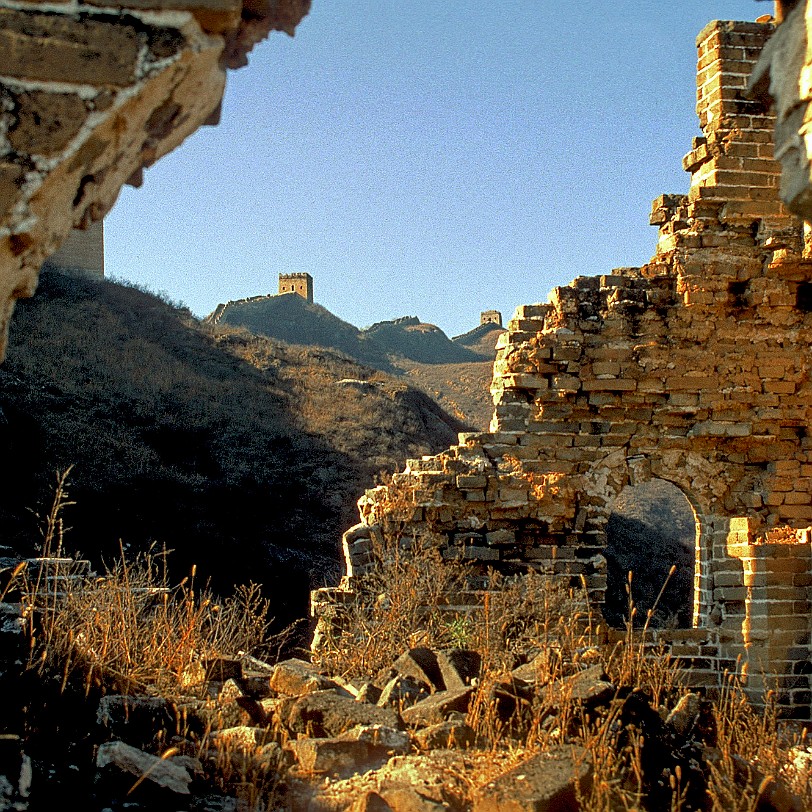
59 48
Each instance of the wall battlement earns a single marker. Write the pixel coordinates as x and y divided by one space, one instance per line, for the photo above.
691 369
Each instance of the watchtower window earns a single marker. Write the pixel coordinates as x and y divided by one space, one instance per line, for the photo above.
803 298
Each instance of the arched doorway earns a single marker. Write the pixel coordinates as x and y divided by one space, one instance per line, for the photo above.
651 528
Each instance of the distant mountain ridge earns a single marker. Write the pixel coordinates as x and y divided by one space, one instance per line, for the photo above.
456 373
291 318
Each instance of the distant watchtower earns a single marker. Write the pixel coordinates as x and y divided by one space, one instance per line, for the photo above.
490 317
301 283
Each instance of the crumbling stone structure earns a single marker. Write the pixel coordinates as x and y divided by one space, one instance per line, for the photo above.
82 251
692 369
298 283
93 91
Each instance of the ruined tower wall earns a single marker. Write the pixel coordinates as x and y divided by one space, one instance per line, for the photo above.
82 251
298 283
692 369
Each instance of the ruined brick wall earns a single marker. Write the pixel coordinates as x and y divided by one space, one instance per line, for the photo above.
92 92
693 369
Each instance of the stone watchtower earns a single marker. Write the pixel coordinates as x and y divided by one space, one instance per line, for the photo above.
82 251
301 283
490 317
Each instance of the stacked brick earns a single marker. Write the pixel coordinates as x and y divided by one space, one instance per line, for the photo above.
91 93
693 369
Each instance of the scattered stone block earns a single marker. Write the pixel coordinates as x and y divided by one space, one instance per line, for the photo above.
369 692
129 764
294 677
337 756
242 737
546 782
420 663
325 714
387 738
459 667
589 688
451 734
402 692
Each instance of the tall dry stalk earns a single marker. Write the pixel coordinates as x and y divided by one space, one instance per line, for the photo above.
129 625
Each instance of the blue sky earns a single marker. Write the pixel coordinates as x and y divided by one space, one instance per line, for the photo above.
428 159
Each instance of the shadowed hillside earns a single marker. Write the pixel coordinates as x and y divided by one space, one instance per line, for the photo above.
456 373
238 452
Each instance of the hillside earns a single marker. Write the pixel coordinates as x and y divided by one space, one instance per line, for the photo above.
410 338
456 373
234 450
481 340
461 389
291 318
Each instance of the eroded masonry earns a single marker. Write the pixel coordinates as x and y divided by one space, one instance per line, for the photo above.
93 91
693 369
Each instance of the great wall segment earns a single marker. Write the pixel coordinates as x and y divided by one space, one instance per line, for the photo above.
693 370
91 93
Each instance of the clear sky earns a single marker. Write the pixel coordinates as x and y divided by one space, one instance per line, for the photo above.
427 158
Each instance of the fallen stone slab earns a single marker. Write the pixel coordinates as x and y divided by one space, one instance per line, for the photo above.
131 765
326 714
369 692
370 802
389 739
296 677
539 669
548 782
589 688
451 734
335 756
403 692
433 782
242 737
435 708
420 663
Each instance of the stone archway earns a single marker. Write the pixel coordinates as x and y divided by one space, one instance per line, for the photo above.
652 526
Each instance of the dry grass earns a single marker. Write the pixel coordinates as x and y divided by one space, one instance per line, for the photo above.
130 625
399 605
132 628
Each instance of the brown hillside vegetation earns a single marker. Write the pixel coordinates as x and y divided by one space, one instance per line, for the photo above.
461 389
176 436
